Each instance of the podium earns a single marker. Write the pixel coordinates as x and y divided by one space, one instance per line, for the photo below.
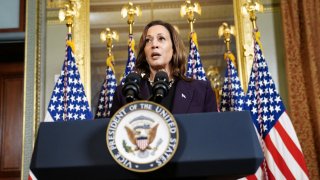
218 145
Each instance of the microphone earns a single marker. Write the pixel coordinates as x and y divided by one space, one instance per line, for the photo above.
161 86
131 87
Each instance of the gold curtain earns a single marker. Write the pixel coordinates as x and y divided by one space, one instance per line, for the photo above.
301 25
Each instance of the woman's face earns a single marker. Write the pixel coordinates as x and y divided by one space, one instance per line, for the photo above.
158 49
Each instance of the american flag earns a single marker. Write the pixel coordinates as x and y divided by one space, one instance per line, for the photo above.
195 69
107 91
68 100
283 156
233 97
31 176
131 58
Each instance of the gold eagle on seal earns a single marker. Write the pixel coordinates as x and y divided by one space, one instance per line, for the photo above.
142 136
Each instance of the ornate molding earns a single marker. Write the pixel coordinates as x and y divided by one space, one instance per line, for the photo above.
56 4
52 16
244 43
116 6
81 37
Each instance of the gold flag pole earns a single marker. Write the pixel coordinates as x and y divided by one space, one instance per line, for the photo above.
226 31
68 13
251 7
189 10
108 36
107 90
130 11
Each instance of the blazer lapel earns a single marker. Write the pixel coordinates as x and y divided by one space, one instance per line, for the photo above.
182 97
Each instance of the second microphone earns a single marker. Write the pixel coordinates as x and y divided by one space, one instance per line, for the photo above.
160 87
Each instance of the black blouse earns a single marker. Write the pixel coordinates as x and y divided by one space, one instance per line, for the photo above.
167 101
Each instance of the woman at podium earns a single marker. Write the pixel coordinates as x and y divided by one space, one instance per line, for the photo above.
160 75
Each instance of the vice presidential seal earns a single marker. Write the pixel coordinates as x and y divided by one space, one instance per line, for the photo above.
142 136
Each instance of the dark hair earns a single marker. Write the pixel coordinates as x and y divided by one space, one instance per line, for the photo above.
178 61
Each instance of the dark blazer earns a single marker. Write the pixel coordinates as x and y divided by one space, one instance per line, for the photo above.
190 97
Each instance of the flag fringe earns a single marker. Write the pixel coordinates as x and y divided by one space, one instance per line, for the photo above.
195 39
71 44
229 55
131 43
109 62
